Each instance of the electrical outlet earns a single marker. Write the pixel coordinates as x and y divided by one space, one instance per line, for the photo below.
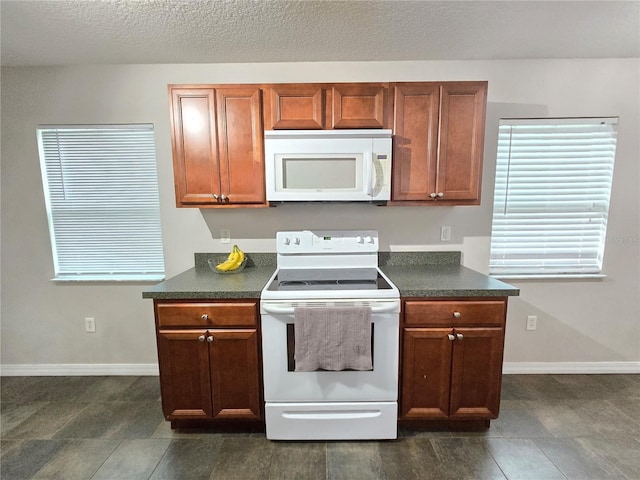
90 324
445 234
532 322
225 235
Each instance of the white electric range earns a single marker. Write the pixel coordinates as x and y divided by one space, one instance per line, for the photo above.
327 269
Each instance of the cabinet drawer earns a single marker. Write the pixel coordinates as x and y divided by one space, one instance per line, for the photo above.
454 313
206 314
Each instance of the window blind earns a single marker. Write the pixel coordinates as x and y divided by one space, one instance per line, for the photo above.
552 190
101 193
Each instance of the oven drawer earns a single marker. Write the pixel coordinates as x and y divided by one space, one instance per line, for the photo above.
332 421
454 313
201 314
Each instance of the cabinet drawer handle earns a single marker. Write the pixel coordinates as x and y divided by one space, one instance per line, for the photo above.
451 337
205 317
457 314
459 336
201 338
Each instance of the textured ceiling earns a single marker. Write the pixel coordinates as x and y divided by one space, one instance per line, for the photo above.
56 32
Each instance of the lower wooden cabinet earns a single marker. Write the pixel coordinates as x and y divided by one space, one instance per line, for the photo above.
211 371
452 371
451 359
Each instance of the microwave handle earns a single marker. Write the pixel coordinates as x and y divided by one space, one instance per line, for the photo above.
368 173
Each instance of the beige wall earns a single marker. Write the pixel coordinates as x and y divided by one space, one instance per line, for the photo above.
42 322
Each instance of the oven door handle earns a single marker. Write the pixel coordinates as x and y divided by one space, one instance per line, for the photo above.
288 310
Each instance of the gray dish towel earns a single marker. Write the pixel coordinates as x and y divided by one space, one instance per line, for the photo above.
332 338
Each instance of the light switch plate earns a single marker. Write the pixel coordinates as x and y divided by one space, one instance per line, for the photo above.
532 322
225 235
445 234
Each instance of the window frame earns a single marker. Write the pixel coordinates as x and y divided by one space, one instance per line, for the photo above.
549 246
76 198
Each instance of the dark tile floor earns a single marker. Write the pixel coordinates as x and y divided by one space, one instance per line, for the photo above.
550 427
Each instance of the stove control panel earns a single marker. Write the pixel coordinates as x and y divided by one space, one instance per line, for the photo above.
327 241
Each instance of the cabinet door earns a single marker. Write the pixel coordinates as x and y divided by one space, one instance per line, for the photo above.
194 140
476 372
235 374
461 143
426 369
241 145
184 374
358 106
296 107
415 141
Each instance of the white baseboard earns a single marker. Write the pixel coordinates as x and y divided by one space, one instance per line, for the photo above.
570 367
78 369
151 369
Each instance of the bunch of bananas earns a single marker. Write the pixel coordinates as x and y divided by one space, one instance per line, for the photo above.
233 261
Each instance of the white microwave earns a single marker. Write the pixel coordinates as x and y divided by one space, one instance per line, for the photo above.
328 165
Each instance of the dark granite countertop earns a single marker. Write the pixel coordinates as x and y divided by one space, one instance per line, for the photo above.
447 280
202 282
420 274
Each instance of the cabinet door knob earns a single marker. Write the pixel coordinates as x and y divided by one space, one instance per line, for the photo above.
459 336
440 194
209 339
433 195
201 338
215 196
205 316
224 198
457 314
451 337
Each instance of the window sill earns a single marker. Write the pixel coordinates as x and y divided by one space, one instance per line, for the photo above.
550 276
109 279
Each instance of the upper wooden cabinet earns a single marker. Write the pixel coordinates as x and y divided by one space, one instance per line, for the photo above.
438 142
326 106
218 136
218 146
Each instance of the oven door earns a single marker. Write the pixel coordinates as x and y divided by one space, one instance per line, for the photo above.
283 384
